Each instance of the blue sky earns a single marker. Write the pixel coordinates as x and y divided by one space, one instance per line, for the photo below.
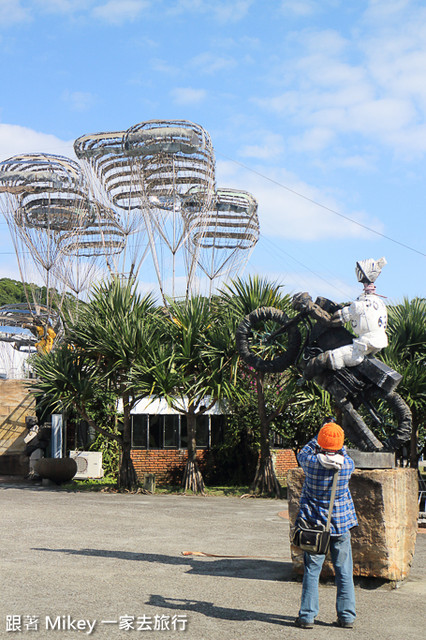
315 107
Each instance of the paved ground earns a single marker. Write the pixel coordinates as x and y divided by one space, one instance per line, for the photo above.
113 558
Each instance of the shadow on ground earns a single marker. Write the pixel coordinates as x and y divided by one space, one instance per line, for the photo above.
224 613
252 569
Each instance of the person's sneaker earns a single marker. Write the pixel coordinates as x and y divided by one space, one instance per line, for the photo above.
345 624
303 625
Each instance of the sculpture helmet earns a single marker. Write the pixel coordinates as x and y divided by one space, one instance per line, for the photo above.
367 271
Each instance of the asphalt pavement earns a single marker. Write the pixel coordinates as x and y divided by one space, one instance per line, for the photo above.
77 564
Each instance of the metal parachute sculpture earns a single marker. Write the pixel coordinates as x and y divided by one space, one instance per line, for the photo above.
159 178
60 238
147 193
223 237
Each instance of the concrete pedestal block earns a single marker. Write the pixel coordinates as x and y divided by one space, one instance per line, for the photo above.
372 459
386 505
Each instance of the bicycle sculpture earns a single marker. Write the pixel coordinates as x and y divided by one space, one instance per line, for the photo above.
363 387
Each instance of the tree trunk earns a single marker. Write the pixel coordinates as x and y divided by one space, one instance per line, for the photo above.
192 478
127 478
265 480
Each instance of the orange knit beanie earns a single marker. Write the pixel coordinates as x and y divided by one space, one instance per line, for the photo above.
331 437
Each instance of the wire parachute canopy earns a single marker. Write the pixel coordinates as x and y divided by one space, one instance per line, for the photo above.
109 172
145 173
145 192
29 327
224 237
169 158
87 253
43 198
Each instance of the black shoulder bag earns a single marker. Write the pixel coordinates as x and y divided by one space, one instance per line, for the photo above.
315 538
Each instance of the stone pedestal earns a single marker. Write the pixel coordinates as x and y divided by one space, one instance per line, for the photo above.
386 505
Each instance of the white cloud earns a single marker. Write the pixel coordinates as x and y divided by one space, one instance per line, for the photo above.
224 11
63 6
361 163
118 12
371 83
301 8
314 139
79 100
230 11
15 139
270 145
397 60
188 96
319 283
210 63
163 66
12 12
382 10
288 206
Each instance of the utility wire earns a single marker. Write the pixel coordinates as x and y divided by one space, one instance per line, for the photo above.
315 273
318 204
323 206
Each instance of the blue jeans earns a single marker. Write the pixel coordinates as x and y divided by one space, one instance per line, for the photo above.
341 557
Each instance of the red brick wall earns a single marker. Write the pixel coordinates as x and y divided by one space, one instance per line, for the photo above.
168 464
284 461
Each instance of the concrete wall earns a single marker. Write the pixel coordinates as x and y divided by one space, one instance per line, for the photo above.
15 404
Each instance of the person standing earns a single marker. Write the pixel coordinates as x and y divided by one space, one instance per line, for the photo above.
319 459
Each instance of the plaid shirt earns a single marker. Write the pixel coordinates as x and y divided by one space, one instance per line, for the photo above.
316 491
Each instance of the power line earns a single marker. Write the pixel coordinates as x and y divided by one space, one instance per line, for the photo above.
279 249
308 199
323 206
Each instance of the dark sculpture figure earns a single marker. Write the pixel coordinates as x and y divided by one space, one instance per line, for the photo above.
362 387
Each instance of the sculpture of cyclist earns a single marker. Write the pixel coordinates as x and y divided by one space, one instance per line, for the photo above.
367 315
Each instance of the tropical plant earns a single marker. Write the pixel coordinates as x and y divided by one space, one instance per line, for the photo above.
406 353
304 410
242 297
116 330
200 358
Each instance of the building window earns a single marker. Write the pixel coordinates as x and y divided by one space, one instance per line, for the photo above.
170 431
203 431
139 430
217 430
183 433
155 439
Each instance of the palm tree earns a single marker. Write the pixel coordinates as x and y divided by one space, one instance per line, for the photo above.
241 298
200 359
406 353
117 329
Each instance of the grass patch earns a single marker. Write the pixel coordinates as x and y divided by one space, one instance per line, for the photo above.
91 484
107 484
222 491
